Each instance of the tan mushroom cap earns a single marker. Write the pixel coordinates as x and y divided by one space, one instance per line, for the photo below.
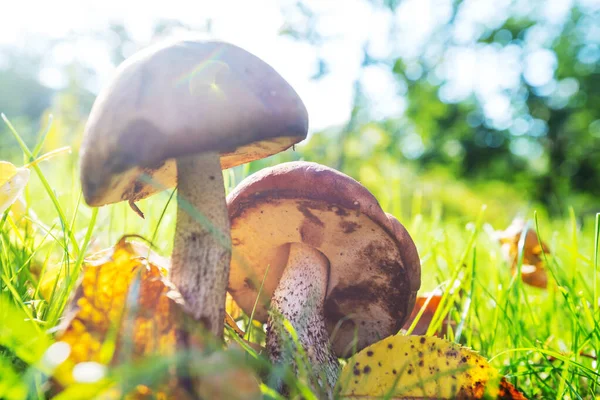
374 267
180 98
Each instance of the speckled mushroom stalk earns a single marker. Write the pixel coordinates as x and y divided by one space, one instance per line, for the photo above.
299 298
202 244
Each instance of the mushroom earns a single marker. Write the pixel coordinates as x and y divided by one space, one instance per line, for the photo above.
177 113
336 262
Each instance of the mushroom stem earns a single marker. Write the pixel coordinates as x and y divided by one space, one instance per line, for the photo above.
299 298
202 246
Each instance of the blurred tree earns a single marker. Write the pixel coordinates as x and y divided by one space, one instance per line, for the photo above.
551 143
511 94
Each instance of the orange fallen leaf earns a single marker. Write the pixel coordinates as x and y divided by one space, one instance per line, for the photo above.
428 313
532 269
508 392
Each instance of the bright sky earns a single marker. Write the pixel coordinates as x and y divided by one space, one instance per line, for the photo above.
253 25
348 25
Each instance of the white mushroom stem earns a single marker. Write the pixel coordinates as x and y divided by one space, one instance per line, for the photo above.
202 247
299 298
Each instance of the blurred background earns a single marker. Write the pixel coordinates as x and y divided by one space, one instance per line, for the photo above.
464 102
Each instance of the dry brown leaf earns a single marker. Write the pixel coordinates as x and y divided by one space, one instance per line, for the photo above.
532 270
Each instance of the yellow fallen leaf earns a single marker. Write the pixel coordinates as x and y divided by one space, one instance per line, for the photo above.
12 182
232 308
54 275
7 171
125 310
19 209
124 297
418 367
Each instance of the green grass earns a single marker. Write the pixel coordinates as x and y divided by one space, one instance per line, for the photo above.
545 341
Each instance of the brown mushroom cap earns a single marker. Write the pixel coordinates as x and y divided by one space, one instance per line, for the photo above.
181 98
374 267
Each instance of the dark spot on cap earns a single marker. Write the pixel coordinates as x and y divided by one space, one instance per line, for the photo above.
390 346
249 284
366 369
349 226
421 363
394 295
304 207
370 353
422 340
311 233
346 299
338 210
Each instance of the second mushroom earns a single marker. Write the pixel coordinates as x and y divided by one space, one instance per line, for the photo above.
342 271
